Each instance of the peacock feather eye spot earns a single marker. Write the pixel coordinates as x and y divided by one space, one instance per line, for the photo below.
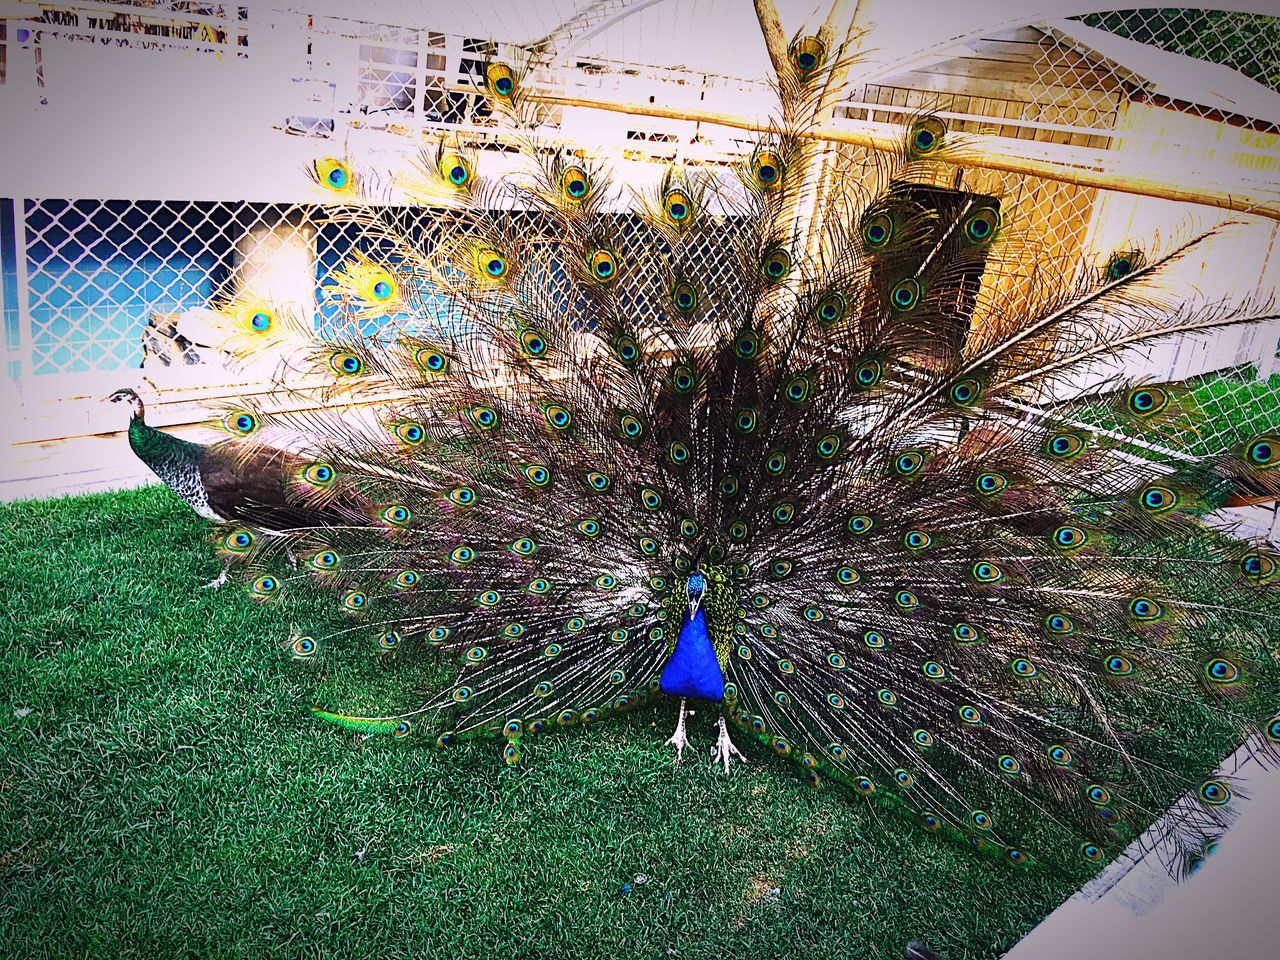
524 546
981 225
462 555
1022 667
682 378
651 499
1158 499
827 446
1097 794
574 183
933 670
776 265
325 560
1144 608
409 433
986 572
1060 624
684 296
239 541
355 601
648 546
688 528
738 531
539 585
814 615
966 392
966 633
728 486
389 640
589 528
631 427
345 363
677 206
766 169
847 576
604 266
575 624
260 321
807 53
533 342
981 819
783 513
1221 671
606 582
430 360
382 290
462 694
1009 765
860 524
1065 446
1122 265
557 417
1091 852
878 230
1262 452
678 453
265 586
922 738
1118 666
930 822
798 389
776 464
1257 567
462 496
927 135
1059 755
989 484
319 475
905 294
406 578
887 697
489 598
241 422
495 266
868 374
917 540
909 462
746 420
1069 538
626 349
536 474
874 640
303 647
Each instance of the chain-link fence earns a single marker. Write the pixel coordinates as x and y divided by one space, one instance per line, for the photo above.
102 285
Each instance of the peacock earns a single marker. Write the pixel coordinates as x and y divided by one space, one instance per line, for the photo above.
864 472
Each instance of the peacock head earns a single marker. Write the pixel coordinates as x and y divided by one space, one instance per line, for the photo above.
695 587
135 402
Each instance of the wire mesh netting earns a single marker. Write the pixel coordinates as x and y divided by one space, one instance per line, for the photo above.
96 285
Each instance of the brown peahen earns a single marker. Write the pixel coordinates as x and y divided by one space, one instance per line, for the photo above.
831 464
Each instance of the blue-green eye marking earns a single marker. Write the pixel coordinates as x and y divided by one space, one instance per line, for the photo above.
260 322
966 392
868 374
776 265
557 417
1262 452
1024 668
1144 608
1069 538
827 446
878 230
536 474
241 422
1059 755
1060 624
630 426
1157 499
989 484
1098 795
981 225
1118 666
830 309
966 633
746 420
534 343
1221 671
860 525
597 481
909 462
906 600
986 572
1091 852
682 378
678 453
905 295
874 640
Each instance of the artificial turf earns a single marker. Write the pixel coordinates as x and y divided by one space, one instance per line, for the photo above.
164 792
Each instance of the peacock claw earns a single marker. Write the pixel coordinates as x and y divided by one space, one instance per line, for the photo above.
678 739
724 750
217 582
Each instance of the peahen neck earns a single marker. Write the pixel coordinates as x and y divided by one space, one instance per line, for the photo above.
160 451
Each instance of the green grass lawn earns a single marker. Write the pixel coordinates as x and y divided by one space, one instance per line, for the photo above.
165 792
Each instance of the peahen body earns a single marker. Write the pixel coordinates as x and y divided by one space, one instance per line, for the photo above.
823 464
225 481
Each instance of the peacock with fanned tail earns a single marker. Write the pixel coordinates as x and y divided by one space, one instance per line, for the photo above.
826 464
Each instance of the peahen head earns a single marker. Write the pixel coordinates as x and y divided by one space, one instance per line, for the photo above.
134 401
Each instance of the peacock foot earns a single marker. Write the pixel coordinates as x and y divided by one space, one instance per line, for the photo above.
724 750
678 739
217 581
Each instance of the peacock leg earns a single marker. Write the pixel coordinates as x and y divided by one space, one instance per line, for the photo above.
724 749
678 739
219 580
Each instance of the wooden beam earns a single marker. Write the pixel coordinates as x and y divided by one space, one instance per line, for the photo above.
976 150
